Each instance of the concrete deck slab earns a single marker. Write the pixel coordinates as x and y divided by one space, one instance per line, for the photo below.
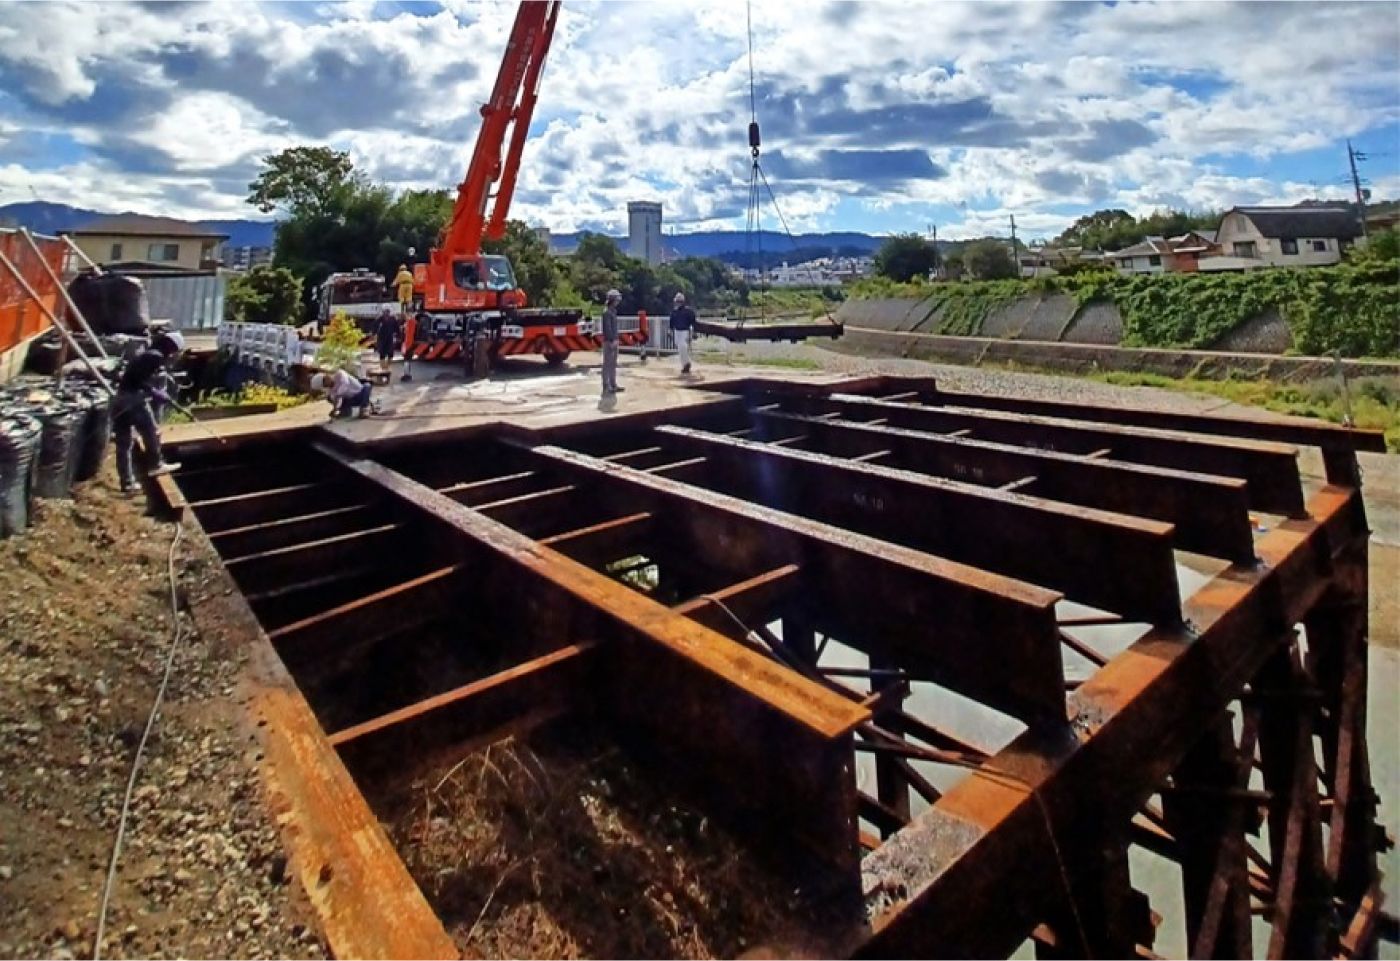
523 393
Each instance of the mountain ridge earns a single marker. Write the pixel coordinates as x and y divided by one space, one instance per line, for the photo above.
42 216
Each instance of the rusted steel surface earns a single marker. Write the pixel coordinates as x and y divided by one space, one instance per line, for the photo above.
1338 443
1210 514
1022 813
1063 547
715 704
947 622
1270 469
364 897
683 578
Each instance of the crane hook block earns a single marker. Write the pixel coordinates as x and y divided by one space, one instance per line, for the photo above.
753 135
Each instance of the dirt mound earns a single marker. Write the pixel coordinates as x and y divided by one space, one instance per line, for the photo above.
558 848
84 632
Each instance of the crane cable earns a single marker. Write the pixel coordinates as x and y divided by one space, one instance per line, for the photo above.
753 227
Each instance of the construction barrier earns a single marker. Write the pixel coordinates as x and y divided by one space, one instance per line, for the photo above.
21 319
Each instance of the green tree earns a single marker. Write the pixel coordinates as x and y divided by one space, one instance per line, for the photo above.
264 295
598 249
535 270
414 221
904 257
304 181
989 260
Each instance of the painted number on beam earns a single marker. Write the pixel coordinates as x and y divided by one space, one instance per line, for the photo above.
868 502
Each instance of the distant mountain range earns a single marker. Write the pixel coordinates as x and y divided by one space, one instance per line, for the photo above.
43 217
48 218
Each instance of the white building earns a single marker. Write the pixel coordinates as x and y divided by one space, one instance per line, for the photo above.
1308 235
644 231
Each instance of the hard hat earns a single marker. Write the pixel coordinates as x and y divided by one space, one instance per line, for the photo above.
680 297
318 382
613 295
170 342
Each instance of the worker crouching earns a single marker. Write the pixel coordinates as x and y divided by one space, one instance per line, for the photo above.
142 382
345 392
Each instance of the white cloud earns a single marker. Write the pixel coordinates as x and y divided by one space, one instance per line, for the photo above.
1038 108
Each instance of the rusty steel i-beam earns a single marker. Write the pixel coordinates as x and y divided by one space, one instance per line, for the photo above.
949 659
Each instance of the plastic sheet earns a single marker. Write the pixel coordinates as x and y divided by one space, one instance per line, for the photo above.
19 448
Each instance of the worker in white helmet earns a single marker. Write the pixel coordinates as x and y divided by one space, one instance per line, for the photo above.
344 391
683 327
142 381
610 343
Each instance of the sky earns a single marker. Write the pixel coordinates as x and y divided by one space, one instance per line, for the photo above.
879 117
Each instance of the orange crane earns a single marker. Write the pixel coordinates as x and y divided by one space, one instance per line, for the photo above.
466 300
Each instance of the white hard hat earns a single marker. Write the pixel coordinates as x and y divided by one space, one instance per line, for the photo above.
318 382
614 295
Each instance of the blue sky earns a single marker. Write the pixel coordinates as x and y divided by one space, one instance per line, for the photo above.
877 116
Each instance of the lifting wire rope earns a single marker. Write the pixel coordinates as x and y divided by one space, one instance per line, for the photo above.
758 185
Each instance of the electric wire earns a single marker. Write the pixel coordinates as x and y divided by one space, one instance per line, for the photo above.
141 747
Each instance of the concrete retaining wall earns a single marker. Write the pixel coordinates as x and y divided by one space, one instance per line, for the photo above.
1051 318
1089 358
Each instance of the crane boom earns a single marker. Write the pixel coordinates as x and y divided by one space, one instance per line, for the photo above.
467 301
478 213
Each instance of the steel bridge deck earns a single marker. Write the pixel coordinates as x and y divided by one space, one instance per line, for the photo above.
1153 635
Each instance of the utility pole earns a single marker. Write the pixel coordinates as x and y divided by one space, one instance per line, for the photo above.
1015 253
1352 157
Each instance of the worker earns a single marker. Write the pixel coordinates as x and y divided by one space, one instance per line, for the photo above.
403 280
610 338
141 382
388 331
345 393
683 327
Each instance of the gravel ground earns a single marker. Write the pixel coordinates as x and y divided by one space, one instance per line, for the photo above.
83 639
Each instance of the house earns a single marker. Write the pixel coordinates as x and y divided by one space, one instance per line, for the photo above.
1151 256
136 243
1307 235
1190 248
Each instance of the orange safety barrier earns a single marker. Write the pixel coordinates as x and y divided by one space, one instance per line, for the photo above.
20 317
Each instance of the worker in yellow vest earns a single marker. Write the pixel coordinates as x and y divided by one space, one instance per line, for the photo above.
404 282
